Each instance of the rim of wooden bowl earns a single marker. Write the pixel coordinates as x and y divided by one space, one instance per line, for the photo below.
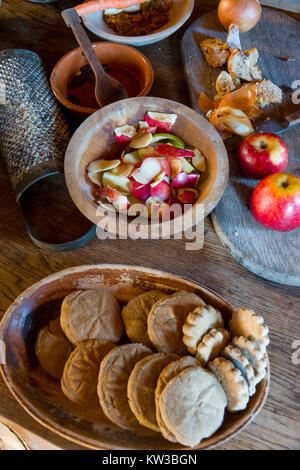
78 151
93 274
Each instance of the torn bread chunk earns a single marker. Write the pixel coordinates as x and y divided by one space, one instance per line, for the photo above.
268 93
225 83
215 51
243 65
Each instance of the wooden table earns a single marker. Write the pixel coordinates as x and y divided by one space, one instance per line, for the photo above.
41 29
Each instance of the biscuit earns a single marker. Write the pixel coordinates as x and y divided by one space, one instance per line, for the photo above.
199 322
114 373
254 354
166 319
55 328
80 375
91 314
233 383
52 351
212 344
141 387
241 362
192 405
170 371
245 322
135 315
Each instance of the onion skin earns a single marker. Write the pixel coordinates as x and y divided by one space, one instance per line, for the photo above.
244 13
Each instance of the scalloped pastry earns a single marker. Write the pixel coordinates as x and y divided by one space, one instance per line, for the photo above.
233 383
212 344
245 322
241 362
198 323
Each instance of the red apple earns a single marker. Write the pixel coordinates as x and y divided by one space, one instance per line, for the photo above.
185 180
263 154
187 195
117 199
275 202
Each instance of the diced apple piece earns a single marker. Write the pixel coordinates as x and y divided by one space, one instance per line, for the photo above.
148 170
139 191
147 152
180 181
102 165
118 200
161 177
173 138
176 166
120 183
144 127
132 157
162 191
124 134
167 150
156 207
162 121
165 165
124 169
186 166
95 178
187 195
198 160
141 141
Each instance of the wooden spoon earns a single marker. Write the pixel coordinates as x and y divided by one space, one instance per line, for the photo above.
107 89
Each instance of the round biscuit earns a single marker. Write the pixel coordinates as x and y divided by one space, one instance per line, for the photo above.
141 387
91 314
192 405
166 319
114 373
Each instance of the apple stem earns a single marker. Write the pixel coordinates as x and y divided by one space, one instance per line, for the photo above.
263 145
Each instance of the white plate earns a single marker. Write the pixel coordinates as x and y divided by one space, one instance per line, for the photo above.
179 13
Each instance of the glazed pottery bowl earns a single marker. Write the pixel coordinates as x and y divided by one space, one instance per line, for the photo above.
125 59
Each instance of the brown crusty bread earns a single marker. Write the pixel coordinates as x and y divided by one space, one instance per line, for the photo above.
215 51
268 93
243 65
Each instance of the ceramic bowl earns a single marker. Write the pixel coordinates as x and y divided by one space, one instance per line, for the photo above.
41 396
94 139
124 57
179 14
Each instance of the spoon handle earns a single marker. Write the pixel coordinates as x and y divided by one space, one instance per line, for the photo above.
73 20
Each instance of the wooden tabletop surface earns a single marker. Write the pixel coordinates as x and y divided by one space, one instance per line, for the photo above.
40 28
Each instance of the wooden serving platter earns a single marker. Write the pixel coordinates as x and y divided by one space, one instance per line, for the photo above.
269 254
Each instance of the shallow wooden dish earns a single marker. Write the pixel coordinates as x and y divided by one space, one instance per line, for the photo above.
41 395
94 139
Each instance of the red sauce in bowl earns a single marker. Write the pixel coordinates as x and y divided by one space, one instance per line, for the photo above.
81 89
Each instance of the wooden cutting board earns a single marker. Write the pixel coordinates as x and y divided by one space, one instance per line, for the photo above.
269 254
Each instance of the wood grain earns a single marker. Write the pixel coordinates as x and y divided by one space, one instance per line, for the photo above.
267 253
41 28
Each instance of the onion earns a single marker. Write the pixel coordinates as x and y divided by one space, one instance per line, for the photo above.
244 13
231 121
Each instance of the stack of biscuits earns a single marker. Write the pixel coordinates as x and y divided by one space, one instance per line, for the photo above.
176 370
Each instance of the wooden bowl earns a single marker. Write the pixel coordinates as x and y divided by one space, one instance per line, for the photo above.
41 395
94 139
179 13
125 58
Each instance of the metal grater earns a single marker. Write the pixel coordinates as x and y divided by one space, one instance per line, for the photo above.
33 131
